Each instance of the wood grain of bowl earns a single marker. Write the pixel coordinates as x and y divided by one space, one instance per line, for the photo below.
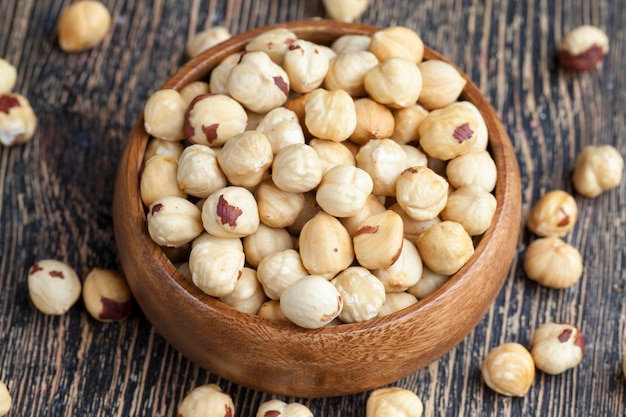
335 360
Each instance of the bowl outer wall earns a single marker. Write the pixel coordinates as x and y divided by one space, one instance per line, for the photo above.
336 360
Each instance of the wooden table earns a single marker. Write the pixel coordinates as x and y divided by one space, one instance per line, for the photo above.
57 194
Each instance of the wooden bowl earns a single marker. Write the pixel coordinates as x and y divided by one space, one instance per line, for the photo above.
284 359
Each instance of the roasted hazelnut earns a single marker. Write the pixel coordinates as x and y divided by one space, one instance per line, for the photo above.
206 400
330 114
396 301
265 241
583 48
347 71
449 132
53 286
445 247
442 84
405 272
245 158
421 193
471 206
106 295
343 190
216 264
8 76
378 240
332 154
384 160
206 39
325 245
597 169
230 212
273 42
297 168
199 173
311 302
345 10
5 399
509 369
278 408
428 283
472 168
281 127
278 270
305 65
212 119
17 120
406 123
373 121
397 41
393 402
395 82
554 214
159 178
248 295
362 292
553 263
557 347
83 25
277 208
173 221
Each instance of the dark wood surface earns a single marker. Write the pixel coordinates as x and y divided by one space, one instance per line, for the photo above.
57 195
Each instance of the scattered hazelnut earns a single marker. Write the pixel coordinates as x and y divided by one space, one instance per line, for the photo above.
5 400
164 115
206 39
53 286
311 302
8 77
393 402
278 408
583 48
554 214
206 400
557 347
17 119
553 263
106 295
445 247
83 25
509 369
345 10
597 169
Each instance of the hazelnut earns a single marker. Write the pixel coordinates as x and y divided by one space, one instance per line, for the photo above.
397 41
330 114
212 119
395 82
273 42
553 263
325 245
597 169
245 158
206 400
277 208
8 77
372 206
428 283
199 173
159 178
305 65
421 193
362 292
310 209
554 214
230 212
343 190
384 160
406 123
163 147
248 295
582 48
297 168
415 157
173 221
270 310
509 369
206 39
345 10
218 79
557 347
392 402
405 272
347 71
311 302
482 133
396 301
378 240
106 295
83 25
471 206
332 154
281 127
445 247
278 270
373 121
473 168
53 286
413 228
265 241
442 84
194 89
216 264
5 399
280 408
17 119
351 43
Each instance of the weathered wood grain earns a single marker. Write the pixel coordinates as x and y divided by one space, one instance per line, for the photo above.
57 193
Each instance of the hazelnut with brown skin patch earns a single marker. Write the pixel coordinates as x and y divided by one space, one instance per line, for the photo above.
278 408
53 286
206 400
557 347
17 120
106 295
583 48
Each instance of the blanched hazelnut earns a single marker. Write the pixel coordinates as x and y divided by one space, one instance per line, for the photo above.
344 190
218 79
230 212
163 147
206 39
553 263
393 402
397 41
473 168
471 206
509 369
174 221
428 283
310 209
311 302
8 76
597 169
384 160
199 173
373 121
372 206
83 25
557 347
258 83
362 292
281 127
164 115
345 10
330 114
216 264
395 82
280 408
206 400
449 132
405 272
415 157
325 245
265 241
248 295
278 270
273 42
5 399
347 71
554 214
305 65
413 228
332 154
406 123
53 286
583 48
445 247
482 138
212 119
194 89
159 178
297 168
421 193
270 310
245 158
277 208
442 84
106 295
378 240
396 301
18 121
351 43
